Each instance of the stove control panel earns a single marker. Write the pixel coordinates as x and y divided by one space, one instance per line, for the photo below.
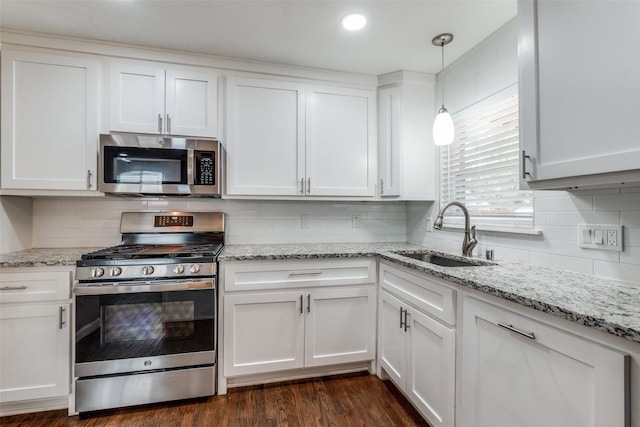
111 273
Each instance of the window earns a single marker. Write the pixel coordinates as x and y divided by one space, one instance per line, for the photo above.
481 167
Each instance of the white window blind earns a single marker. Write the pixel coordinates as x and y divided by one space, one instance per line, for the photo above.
480 169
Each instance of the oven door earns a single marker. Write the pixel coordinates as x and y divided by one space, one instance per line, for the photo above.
133 327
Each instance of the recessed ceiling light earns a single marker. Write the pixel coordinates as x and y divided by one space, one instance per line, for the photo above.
353 21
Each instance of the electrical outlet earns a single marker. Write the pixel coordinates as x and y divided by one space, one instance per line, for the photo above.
600 236
429 225
304 221
355 221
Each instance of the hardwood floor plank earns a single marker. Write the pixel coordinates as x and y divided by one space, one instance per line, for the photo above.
351 400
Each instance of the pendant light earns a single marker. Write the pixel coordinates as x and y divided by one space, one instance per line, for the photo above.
443 130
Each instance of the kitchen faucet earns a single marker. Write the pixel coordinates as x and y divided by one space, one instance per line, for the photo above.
469 241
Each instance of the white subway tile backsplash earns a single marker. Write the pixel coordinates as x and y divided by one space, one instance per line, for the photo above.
562 262
622 201
96 222
614 270
582 202
583 217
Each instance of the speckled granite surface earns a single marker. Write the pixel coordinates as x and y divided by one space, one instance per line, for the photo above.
603 304
608 305
46 257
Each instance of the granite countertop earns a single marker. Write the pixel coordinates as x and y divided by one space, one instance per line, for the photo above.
608 305
43 257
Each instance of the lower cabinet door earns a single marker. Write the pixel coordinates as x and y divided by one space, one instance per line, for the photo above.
263 332
34 352
340 326
391 339
518 372
431 368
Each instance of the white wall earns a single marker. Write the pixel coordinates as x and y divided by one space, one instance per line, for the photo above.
15 223
489 67
95 222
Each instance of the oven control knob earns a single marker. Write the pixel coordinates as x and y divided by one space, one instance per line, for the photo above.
115 271
178 269
97 272
194 268
147 270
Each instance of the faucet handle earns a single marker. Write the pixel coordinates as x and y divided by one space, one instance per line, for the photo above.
473 233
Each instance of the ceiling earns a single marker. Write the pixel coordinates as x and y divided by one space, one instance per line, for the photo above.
298 32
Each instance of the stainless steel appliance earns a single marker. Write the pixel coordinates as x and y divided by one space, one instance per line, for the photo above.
153 165
145 312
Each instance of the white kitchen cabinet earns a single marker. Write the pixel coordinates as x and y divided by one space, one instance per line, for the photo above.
283 315
267 332
579 94
416 350
406 154
265 137
152 99
264 332
519 372
49 121
293 139
340 142
34 336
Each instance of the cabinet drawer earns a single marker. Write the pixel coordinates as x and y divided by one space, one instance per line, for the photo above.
36 286
255 275
428 294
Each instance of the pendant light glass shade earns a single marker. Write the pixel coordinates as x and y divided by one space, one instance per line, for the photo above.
443 130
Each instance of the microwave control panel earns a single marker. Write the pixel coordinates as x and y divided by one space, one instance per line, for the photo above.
205 167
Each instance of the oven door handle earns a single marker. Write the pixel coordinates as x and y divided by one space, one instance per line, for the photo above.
130 288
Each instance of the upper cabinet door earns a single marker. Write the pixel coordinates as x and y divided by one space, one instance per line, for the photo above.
579 93
136 99
340 142
389 110
191 103
264 137
49 121
155 100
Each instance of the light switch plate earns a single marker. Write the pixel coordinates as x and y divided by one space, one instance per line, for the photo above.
606 237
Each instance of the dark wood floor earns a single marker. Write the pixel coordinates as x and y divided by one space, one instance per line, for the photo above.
346 400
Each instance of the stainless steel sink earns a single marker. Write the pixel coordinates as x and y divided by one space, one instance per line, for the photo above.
443 261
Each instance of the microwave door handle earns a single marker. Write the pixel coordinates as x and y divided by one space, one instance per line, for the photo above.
191 167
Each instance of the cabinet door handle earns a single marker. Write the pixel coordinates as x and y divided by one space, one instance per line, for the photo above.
61 322
301 304
381 186
509 327
168 124
308 185
13 288
301 185
525 174
308 303
89 174
401 318
406 323
159 123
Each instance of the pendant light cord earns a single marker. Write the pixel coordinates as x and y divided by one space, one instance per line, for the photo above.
442 46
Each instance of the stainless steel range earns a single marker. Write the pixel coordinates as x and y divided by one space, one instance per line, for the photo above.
145 312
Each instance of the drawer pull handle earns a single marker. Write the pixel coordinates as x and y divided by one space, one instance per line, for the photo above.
529 335
306 273
13 288
308 303
301 305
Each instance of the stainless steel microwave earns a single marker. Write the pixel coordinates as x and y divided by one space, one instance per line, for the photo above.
131 164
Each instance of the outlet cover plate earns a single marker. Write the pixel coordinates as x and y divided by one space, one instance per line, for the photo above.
611 236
